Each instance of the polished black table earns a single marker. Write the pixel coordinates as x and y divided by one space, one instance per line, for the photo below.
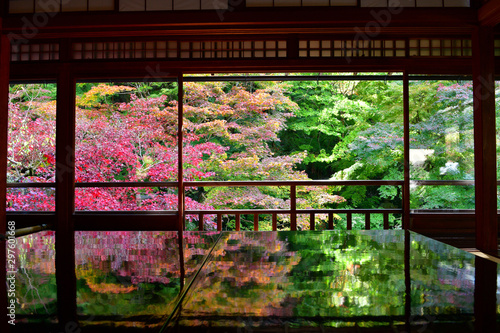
306 281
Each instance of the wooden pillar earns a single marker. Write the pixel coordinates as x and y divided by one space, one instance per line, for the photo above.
406 151
65 198
180 157
180 174
485 139
4 119
407 272
485 302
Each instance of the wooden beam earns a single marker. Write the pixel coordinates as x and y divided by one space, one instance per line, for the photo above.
489 13
485 140
95 70
4 119
24 220
65 195
124 221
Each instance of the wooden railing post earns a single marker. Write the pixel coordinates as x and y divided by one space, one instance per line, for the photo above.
330 221
386 221
237 221
219 222
200 221
293 207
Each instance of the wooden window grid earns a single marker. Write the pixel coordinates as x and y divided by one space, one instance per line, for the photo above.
124 50
421 47
36 6
233 49
440 47
351 48
44 6
180 49
358 3
247 49
35 52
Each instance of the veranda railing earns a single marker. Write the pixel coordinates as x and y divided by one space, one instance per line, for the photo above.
293 212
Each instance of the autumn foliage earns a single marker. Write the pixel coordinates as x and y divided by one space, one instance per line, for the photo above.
123 135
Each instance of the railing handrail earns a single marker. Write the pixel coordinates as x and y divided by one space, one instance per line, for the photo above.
98 184
127 184
216 183
25 185
444 182
298 211
228 183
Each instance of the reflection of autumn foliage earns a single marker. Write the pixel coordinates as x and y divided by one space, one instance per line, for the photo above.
118 272
247 276
37 251
35 277
110 288
266 275
137 257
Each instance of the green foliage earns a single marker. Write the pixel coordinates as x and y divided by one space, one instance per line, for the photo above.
327 116
33 92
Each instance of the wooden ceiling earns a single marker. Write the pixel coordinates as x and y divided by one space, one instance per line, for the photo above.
310 20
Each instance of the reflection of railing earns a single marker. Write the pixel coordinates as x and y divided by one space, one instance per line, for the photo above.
293 211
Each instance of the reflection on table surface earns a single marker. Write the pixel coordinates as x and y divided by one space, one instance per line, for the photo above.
380 281
125 279
330 280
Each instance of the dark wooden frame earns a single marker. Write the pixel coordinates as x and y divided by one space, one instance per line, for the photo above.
476 23
4 101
